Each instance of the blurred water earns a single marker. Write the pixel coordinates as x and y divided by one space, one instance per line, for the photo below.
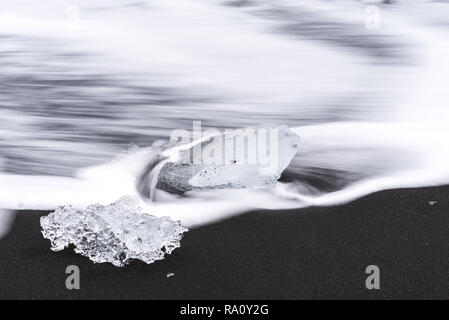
81 82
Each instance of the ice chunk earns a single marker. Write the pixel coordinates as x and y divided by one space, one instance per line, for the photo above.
242 159
116 233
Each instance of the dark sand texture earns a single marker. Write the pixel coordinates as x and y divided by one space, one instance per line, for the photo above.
303 254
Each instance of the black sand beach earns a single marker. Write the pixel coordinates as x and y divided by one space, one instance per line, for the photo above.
315 253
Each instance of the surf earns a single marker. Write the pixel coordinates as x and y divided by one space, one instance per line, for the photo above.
367 123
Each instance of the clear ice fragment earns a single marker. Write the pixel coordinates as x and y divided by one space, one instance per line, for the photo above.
117 233
246 158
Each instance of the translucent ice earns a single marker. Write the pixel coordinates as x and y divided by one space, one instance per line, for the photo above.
241 159
117 233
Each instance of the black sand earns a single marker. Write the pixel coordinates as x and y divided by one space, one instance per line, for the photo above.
303 254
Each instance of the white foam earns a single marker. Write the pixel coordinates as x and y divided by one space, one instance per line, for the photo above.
405 147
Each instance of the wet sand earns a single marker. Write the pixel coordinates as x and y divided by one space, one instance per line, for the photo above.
313 253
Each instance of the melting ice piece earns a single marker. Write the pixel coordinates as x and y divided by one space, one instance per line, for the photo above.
244 158
117 233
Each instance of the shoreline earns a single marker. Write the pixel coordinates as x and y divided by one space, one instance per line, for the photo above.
311 253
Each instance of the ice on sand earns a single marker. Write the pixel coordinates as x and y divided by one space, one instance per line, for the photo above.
234 168
117 233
